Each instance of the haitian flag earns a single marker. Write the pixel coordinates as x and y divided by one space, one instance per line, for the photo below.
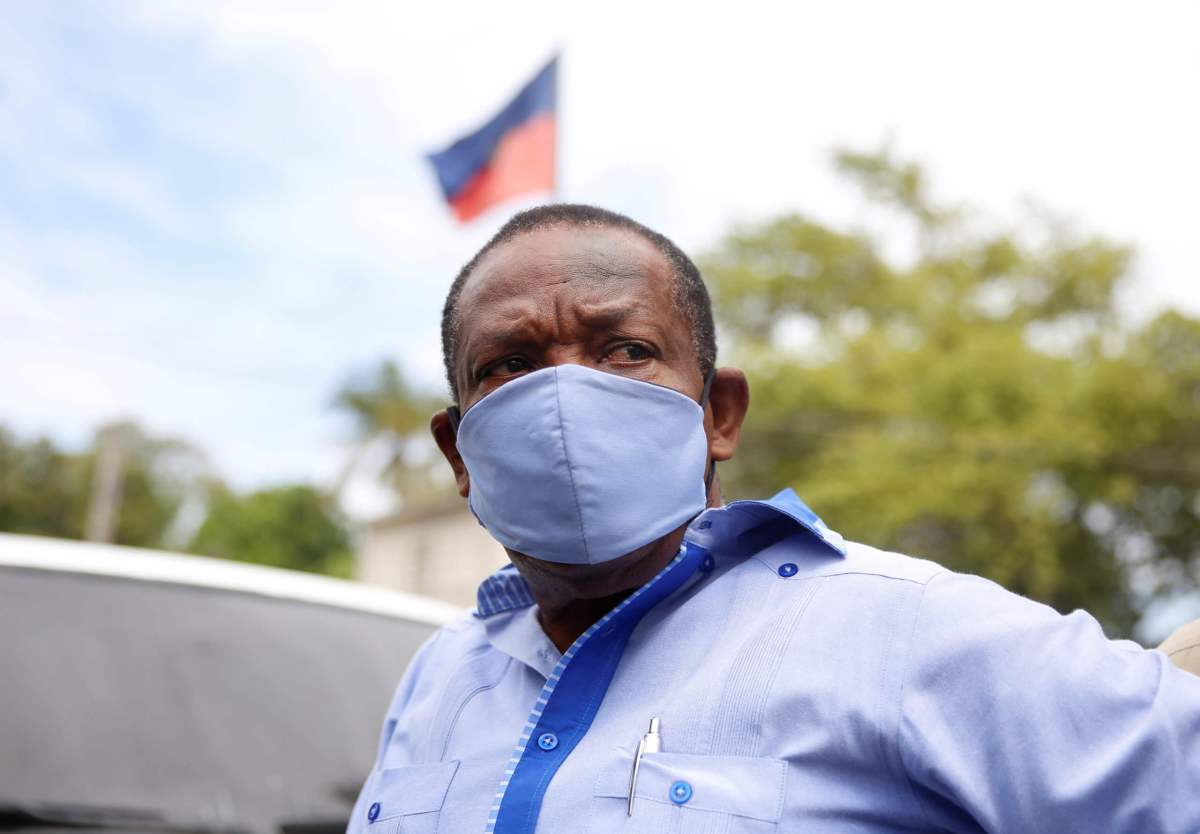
513 154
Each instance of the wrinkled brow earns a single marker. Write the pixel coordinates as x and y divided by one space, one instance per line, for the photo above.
527 330
605 314
600 267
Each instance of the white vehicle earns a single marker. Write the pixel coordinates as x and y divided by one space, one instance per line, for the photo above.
157 692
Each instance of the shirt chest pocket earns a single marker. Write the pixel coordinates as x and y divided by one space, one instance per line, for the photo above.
408 800
680 792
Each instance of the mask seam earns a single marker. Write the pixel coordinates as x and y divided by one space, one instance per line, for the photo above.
562 433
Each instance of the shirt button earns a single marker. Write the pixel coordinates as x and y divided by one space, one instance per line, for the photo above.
788 569
547 741
704 525
708 564
680 792
373 812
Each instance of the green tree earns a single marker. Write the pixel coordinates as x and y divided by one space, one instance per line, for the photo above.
42 488
47 491
979 402
391 413
285 527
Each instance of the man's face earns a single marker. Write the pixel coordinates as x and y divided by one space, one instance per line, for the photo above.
600 297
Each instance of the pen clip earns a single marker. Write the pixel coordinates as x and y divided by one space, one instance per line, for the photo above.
633 775
651 743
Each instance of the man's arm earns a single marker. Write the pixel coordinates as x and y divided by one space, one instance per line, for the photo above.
1026 720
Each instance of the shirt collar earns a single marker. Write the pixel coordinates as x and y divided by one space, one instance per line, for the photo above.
744 527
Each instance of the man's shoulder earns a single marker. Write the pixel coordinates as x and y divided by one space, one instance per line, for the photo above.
799 556
464 633
864 559
450 649
463 636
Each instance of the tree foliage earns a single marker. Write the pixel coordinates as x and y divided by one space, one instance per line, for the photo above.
286 527
45 490
389 413
980 402
41 488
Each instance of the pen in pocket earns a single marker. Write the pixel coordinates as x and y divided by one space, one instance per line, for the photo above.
651 743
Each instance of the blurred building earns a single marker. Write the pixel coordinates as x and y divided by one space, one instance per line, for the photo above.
436 550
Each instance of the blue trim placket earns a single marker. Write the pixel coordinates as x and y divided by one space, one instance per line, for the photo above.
571 697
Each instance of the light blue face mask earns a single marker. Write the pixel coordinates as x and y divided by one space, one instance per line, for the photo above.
574 465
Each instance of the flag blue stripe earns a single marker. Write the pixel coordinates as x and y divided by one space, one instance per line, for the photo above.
457 164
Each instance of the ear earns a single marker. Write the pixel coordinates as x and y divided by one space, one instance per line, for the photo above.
728 402
445 437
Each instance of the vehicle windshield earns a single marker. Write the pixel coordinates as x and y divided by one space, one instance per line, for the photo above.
205 710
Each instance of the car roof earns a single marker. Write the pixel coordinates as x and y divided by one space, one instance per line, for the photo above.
146 565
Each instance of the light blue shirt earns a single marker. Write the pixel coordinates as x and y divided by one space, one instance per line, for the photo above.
802 684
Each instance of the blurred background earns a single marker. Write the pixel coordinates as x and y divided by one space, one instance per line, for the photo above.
953 245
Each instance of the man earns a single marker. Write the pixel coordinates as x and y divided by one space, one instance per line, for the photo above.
656 661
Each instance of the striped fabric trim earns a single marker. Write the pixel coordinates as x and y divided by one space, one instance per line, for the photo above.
504 590
552 682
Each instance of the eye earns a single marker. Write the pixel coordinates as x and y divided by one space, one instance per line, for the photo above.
506 367
630 352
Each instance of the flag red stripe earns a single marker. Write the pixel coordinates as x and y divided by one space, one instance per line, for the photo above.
523 163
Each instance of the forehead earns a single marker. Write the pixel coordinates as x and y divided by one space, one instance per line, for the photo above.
566 263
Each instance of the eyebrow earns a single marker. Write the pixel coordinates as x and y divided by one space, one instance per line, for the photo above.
609 314
600 314
488 341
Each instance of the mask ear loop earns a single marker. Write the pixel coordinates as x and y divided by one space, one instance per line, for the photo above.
455 417
712 467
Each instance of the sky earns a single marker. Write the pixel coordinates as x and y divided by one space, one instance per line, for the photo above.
211 214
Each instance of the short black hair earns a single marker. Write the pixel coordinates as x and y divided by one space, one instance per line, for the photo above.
691 296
